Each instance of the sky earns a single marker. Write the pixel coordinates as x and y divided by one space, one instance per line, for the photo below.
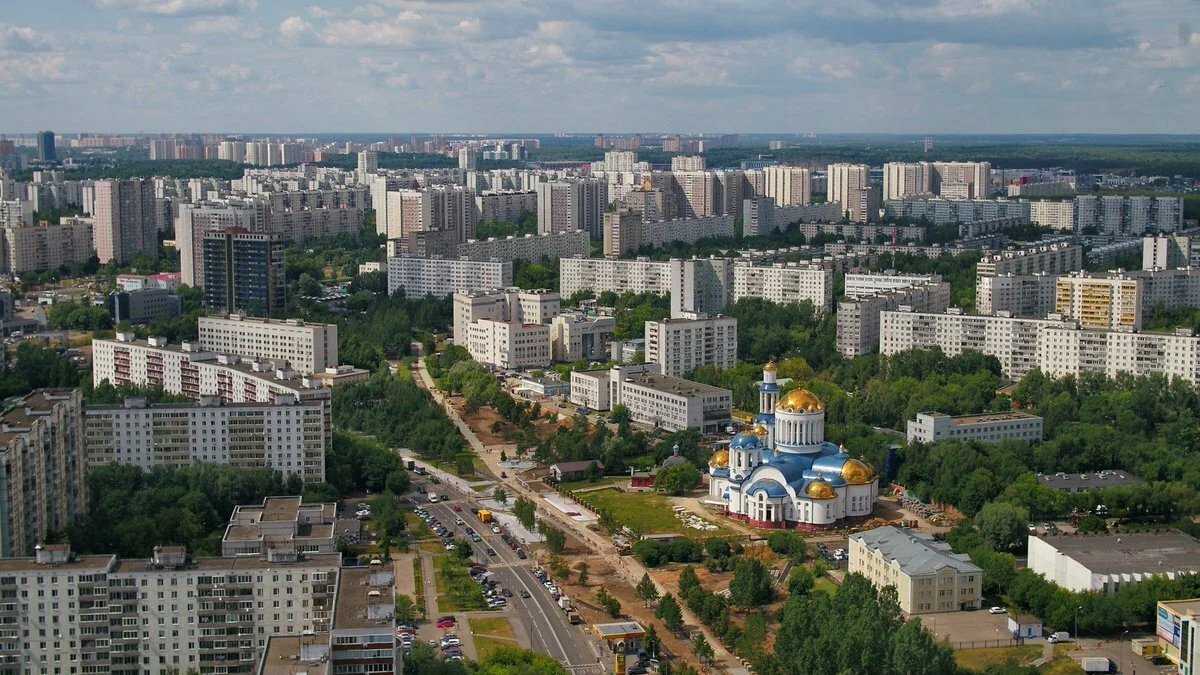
585 66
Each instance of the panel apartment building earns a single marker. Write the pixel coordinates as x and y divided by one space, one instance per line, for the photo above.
858 319
785 283
285 435
1056 258
681 345
308 347
46 246
440 277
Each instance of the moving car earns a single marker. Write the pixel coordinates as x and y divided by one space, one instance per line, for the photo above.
445 622
524 594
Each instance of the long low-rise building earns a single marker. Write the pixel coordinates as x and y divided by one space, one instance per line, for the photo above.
440 277
190 371
653 399
284 435
1060 257
927 575
307 347
860 285
1056 347
941 211
931 427
1106 563
858 321
531 247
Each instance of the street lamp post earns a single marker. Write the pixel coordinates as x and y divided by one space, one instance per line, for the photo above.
1076 635
1119 651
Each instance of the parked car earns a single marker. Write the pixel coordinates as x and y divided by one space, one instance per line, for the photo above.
997 610
445 622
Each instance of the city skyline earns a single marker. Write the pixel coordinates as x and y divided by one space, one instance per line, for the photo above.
1004 66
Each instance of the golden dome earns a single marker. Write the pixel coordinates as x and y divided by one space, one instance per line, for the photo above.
760 430
770 367
799 400
719 460
856 472
819 489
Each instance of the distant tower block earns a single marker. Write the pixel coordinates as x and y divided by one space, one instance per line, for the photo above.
928 143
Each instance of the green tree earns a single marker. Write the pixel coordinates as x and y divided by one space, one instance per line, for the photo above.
702 649
800 581
583 574
751 585
687 581
650 643
556 541
525 512
608 602
1090 524
645 590
670 612
678 479
1003 526
406 609
500 495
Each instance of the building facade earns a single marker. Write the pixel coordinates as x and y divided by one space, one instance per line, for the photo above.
931 427
784 283
928 576
681 345
144 305
307 347
531 247
124 220
858 321
440 277
46 246
243 272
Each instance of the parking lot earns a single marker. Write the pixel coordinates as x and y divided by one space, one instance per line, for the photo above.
966 627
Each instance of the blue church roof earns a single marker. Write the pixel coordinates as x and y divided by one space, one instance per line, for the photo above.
746 440
774 490
722 472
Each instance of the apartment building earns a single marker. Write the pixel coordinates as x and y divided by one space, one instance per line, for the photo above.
622 231
508 304
1060 257
968 180
788 185
15 212
1168 252
1108 302
188 370
625 230
576 335
784 283
46 246
864 232
243 272
435 208
124 220
307 347
931 427
144 305
570 205
681 345
362 635
284 435
862 284
508 345
1032 295
906 179
1128 216
680 163
858 320
196 221
761 216
1058 215
666 402
531 247
166 614
43 469
611 275
928 577
281 524
846 185
504 205
440 277
943 211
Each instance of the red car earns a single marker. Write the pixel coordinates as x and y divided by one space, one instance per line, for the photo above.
458 509
445 622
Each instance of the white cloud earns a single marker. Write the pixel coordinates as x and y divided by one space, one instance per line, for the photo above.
296 29
318 12
21 39
224 25
179 8
32 69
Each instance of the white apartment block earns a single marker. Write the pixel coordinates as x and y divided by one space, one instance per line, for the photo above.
190 371
942 211
1058 215
529 248
197 221
508 345
1170 252
16 212
761 216
435 208
570 205
504 205
440 277
307 347
684 163
618 276
284 435
667 402
931 427
46 246
576 335
1056 258
927 575
167 614
1128 216
858 320
1030 295
846 181
788 185
870 283
41 460
906 179
508 304
784 283
1107 302
1056 347
681 345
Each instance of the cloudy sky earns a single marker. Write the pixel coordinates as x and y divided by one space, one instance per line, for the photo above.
907 66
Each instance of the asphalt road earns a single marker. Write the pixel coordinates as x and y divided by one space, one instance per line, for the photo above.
539 615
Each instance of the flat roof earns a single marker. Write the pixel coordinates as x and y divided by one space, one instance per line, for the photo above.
674 385
296 382
1160 551
354 607
1183 607
1097 479
619 629
25 411
281 508
296 655
83 563
984 418
240 562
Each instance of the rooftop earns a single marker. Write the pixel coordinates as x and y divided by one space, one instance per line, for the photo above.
1098 479
296 655
916 554
25 411
81 563
355 607
1131 552
619 629
1183 607
674 385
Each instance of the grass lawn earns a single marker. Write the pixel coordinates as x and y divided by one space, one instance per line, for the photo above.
417 527
645 513
452 467
607 480
455 589
419 584
824 585
491 634
978 659
1062 665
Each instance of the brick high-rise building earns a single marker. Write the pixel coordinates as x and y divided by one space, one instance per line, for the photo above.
124 220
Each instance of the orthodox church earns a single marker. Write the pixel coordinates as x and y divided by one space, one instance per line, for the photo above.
782 473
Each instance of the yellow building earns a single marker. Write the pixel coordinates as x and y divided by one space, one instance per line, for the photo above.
1104 303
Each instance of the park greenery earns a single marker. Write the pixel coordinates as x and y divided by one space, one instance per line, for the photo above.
503 660
397 413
